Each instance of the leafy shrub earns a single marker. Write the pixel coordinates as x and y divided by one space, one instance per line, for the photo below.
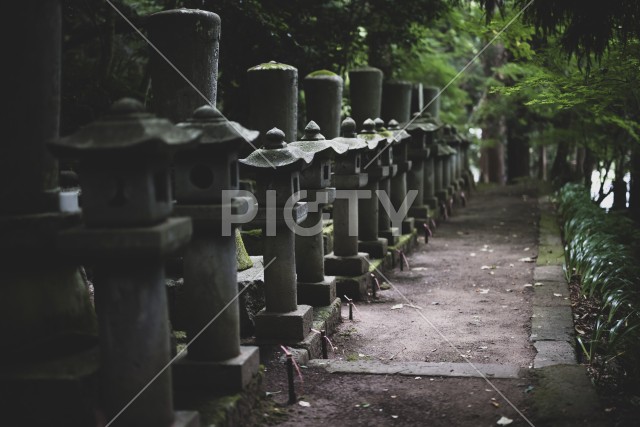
602 251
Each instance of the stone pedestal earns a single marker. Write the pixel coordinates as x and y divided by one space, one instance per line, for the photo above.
133 319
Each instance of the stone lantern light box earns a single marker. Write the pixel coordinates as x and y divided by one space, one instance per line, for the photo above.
124 165
202 173
277 164
318 175
353 164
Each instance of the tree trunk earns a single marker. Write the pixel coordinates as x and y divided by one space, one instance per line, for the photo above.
517 152
619 186
561 171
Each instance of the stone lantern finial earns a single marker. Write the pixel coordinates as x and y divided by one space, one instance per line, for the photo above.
348 128
275 139
312 132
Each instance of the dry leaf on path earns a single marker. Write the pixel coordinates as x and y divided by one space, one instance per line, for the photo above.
397 307
527 259
303 403
504 421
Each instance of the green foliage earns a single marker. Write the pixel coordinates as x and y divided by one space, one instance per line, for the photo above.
603 250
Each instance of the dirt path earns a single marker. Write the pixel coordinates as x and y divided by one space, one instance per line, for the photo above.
467 291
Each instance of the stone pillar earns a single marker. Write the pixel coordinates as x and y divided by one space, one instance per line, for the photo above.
45 303
127 238
368 207
215 361
277 167
267 83
350 267
396 100
365 90
323 100
385 229
189 38
313 287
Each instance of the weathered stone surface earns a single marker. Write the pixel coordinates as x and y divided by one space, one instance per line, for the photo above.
346 265
426 369
354 287
554 353
289 327
552 324
221 377
317 294
375 248
553 273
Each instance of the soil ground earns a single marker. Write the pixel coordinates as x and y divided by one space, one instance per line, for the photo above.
463 299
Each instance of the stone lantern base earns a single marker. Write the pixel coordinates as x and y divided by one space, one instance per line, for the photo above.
284 328
392 235
422 211
408 225
318 294
352 274
221 377
375 248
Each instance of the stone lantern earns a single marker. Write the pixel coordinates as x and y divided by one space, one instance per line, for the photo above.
432 133
313 287
419 153
323 96
444 189
277 168
350 266
467 175
215 361
402 140
370 242
124 175
385 230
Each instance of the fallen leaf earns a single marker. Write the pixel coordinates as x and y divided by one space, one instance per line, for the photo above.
557 295
460 233
528 285
397 307
527 259
365 405
538 284
526 249
580 331
303 403
419 268
360 355
495 404
504 421
435 303
417 378
393 396
483 291
394 416
472 254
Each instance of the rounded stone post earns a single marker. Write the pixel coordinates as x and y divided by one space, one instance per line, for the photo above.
273 99
417 98
323 100
28 171
189 38
396 100
365 91
430 95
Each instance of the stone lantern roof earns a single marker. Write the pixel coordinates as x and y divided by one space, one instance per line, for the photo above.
399 135
126 129
216 129
369 134
277 154
349 136
314 142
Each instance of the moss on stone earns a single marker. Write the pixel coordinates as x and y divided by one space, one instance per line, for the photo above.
242 257
322 73
375 264
272 66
